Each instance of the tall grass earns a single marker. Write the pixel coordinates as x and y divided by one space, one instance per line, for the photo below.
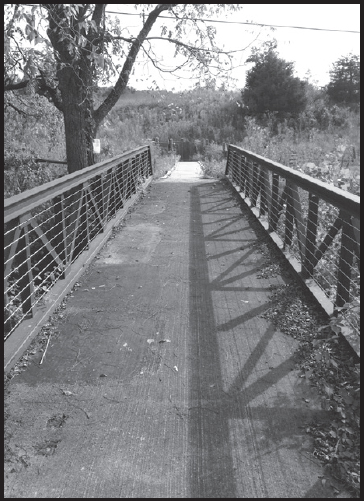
310 145
319 153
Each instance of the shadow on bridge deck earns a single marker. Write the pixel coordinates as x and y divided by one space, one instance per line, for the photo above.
164 380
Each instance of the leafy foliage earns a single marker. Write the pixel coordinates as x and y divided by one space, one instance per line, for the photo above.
344 86
332 154
326 362
78 52
272 88
335 372
34 129
211 116
328 156
198 114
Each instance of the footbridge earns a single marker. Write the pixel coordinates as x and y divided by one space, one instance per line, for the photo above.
134 320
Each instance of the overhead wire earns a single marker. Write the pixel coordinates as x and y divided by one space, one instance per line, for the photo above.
142 14
240 22
232 22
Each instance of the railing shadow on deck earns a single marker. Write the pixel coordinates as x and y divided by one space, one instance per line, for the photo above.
316 225
226 397
53 230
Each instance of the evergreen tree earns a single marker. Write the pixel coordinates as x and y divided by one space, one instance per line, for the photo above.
344 86
271 87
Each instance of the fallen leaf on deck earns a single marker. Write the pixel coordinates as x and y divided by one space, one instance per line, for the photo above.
67 393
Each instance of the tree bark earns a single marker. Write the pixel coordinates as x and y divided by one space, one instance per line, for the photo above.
75 82
79 124
75 77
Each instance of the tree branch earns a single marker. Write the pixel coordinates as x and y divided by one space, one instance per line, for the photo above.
16 86
123 79
98 13
201 49
19 110
129 40
161 69
189 47
82 12
51 93
10 25
43 89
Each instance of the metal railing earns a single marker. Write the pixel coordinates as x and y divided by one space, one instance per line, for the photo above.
47 228
317 223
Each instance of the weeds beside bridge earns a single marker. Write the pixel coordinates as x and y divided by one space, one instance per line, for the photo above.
194 306
315 224
52 230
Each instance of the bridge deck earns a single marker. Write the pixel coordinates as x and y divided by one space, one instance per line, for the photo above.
164 380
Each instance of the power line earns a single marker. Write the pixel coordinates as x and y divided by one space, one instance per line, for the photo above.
240 22
232 22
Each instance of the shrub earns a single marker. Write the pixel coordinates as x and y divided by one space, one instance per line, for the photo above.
22 173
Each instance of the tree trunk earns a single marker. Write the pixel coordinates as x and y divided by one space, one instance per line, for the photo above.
79 124
76 72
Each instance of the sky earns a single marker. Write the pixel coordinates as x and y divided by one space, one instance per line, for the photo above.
310 50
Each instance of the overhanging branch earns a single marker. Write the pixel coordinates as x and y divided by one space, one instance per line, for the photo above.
193 48
123 79
165 70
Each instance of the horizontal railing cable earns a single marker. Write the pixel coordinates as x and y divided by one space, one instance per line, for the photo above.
317 223
47 228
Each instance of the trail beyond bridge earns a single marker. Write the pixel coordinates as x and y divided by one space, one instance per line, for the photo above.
163 379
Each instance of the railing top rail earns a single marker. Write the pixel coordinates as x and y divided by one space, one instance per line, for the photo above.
28 200
344 200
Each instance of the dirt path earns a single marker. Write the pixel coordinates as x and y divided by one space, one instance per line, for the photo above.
164 381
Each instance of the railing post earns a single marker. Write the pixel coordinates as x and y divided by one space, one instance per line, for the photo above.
265 195
311 236
328 239
288 229
297 215
228 161
255 187
234 171
245 174
345 262
241 177
274 209
150 170
249 177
